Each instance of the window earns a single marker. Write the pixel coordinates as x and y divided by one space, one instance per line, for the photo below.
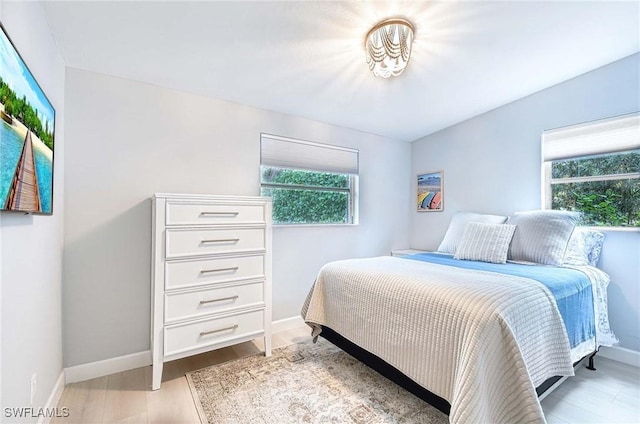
594 168
309 183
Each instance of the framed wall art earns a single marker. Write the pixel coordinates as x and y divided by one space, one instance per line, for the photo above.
27 123
430 194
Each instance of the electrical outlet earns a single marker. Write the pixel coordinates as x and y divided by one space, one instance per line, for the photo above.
34 381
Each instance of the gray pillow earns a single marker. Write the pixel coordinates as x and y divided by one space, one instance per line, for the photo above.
541 236
457 225
485 242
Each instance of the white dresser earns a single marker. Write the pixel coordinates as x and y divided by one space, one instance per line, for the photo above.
211 274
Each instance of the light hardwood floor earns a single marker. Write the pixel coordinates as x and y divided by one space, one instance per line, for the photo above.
609 395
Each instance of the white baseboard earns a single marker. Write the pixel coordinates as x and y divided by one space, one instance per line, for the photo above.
54 398
108 366
136 360
286 324
621 354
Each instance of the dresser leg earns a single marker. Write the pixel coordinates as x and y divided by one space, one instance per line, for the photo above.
157 376
267 346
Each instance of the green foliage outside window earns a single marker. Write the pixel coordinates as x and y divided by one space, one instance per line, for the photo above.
603 202
307 197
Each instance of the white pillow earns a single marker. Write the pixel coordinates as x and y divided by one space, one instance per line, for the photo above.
542 236
485 242
584 247
455 231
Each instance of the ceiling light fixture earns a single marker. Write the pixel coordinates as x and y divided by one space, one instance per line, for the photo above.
388 46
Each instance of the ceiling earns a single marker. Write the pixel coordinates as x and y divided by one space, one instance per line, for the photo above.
306 58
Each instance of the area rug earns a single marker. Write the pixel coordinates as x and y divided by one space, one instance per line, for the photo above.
304 383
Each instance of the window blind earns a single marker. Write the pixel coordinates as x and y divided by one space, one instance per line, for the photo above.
285 152
610 135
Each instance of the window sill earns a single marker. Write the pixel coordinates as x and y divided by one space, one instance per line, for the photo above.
614 229
312 225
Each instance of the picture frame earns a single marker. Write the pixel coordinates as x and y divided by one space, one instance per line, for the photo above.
430 193
27 127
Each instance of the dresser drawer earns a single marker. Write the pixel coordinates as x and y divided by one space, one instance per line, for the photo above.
184 337
194 304
197 242
212 213
193 273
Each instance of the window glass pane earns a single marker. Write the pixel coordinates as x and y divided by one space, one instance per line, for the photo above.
604 203
611 164
291 206
272 175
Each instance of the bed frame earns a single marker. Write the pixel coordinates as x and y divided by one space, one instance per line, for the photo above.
405 382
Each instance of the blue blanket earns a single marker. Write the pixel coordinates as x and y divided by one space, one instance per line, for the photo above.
570 287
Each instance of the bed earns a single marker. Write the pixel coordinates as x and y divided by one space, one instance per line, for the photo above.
480 338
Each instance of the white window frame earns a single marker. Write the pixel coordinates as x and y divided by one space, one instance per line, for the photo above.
290 153
618 134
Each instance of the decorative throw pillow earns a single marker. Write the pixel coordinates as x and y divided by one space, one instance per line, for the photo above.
584 247
456 228
541 236
485 242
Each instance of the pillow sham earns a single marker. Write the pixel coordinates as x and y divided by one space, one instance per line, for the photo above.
541 236
593 241
457 225
485 242
584 247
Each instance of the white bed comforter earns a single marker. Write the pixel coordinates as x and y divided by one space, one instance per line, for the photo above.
480 340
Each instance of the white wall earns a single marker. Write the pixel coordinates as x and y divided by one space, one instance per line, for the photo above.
31 246
127 140
492 164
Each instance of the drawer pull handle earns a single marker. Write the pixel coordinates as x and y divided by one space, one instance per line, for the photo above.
205 213
229 240
206 271
222 299
206 333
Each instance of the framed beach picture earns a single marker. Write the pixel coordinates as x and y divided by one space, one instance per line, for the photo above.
430 194
27 123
